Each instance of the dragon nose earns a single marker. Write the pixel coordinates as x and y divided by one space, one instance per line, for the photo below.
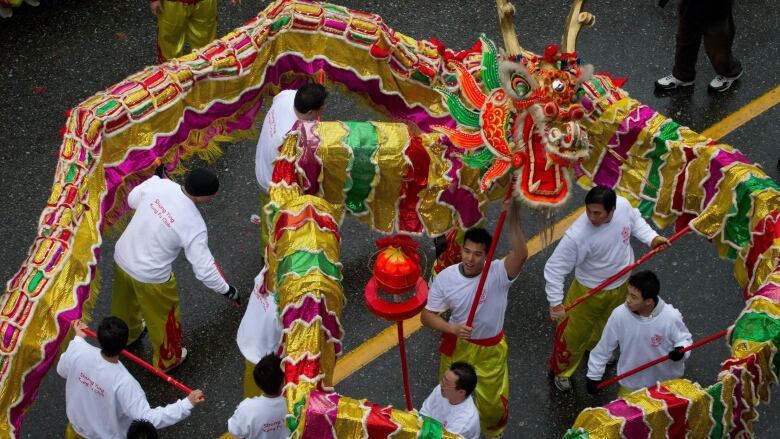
550 110
576 113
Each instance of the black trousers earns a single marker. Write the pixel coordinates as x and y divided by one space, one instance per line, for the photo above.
713 22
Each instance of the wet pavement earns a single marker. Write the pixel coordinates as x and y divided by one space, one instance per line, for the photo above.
59 54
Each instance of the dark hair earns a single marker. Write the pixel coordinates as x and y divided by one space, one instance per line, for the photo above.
602 195
201 182
141 429
478 235
268 374
467 377
112 335
647 283
310 97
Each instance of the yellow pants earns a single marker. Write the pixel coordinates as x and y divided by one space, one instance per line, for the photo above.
264 199
70 433
251 389
624 391
177 21
492 393
581 329
158 304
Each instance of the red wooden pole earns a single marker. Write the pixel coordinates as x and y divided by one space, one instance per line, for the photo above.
489 257
638 369
148 367
404 367
626 269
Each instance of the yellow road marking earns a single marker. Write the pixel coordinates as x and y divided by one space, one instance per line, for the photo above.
744 114
388 338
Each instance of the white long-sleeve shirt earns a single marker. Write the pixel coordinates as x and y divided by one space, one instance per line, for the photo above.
102 399
277 123
260 330
641 339
596 253
260 418
165 221
462 419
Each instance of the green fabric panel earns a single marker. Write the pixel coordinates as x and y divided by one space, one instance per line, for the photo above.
482 160
576 433
597 85
292 421
759 327
490 66
431 429
737 228
301 262
717 410
280 23
362 140
667 133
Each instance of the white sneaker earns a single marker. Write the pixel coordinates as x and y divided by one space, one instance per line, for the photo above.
669 82
562 383
32 2
721 83
183 357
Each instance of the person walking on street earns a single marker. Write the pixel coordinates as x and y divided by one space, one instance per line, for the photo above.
288 107
644 328
145 295
596 246
178 20
481 345
712 22
102 399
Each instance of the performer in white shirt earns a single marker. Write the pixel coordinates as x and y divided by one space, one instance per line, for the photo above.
166 220
644 328
102 399
263 417
596 247
451 404
288 107
259 333
482 346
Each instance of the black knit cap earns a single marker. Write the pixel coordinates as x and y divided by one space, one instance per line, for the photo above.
201 182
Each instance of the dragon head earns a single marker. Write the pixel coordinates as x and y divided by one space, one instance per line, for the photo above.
521 114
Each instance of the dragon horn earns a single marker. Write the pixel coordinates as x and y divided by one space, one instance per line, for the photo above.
574 22
506 12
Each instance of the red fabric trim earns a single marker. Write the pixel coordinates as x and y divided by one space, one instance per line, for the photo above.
492 341
447 345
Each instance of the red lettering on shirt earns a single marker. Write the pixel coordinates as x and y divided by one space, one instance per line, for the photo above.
656 340
625 234
272 426
91 384
162 213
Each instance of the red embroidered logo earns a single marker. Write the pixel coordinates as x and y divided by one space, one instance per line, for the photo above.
656 340
625 234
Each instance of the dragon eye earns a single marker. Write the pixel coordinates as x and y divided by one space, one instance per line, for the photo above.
520 86
558 85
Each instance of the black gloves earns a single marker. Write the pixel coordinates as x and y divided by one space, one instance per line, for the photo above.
592 385
232 295
676 354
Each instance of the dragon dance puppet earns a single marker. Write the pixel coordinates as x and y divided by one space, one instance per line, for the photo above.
484 122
